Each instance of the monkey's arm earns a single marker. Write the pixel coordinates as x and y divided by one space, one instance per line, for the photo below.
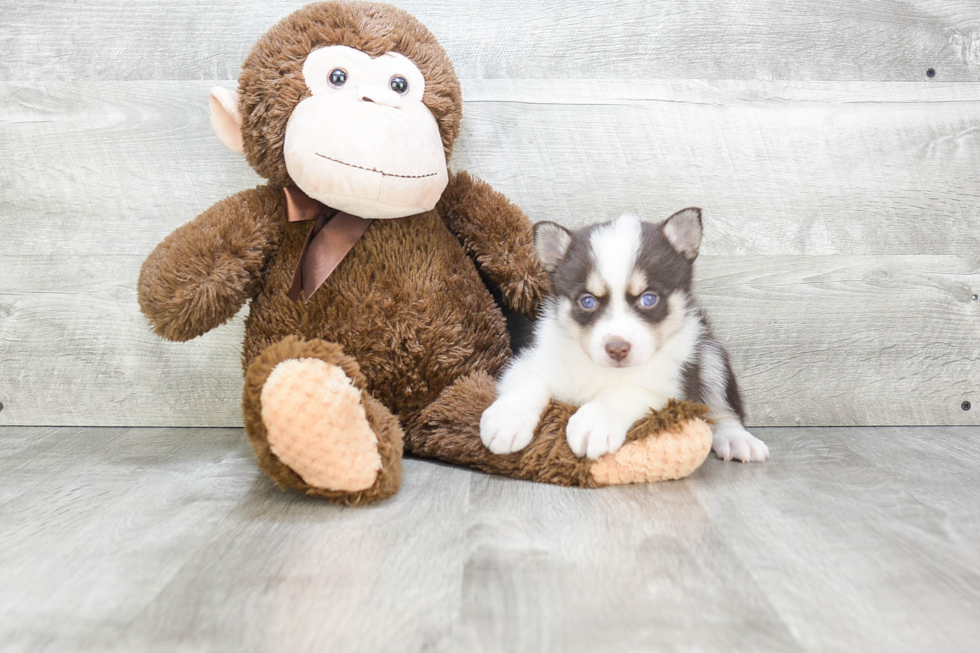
204 272
499 237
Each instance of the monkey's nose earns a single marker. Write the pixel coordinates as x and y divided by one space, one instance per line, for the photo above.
380 96
618 349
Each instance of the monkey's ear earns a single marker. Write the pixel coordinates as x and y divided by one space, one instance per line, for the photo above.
551 241
683 230
226 121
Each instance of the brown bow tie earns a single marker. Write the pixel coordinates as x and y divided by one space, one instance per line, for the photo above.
333 235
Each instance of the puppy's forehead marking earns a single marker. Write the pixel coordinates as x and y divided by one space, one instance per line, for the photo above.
614 248
594 284
638 282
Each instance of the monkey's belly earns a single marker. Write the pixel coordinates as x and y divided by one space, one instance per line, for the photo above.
407 303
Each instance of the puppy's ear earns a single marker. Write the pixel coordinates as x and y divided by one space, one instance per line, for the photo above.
551 242
683 231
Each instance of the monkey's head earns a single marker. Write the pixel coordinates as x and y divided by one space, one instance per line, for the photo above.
354 103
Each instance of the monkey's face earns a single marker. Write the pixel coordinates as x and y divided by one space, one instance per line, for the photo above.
355 103
363 141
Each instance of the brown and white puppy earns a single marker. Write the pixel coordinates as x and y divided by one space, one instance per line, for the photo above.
620 334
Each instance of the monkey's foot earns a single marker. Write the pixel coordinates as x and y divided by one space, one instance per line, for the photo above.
656 456
315 429
316 424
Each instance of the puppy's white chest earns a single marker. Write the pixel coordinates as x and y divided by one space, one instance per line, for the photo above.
580 384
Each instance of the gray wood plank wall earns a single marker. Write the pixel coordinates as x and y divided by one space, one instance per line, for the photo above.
840 184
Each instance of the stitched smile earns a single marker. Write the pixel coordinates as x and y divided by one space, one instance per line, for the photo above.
380 172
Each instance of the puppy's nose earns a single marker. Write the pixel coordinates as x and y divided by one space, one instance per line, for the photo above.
618 349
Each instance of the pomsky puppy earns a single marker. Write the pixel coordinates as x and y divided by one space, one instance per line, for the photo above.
619 334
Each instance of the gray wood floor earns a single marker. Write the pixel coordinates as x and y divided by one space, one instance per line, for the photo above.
860 539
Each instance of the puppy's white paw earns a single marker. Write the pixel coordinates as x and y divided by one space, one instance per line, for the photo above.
738 444
592 431
506 426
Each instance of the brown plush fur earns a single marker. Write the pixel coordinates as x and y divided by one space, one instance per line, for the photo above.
188 285
499 237
406 303
406 314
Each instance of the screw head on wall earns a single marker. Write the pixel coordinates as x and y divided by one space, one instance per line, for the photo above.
931 72
965 405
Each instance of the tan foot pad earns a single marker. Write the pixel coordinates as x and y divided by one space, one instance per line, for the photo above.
316 425
660 457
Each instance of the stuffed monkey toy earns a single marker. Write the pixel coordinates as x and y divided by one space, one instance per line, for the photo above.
370 268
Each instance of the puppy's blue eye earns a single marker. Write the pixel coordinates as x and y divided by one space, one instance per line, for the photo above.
648 299
587 302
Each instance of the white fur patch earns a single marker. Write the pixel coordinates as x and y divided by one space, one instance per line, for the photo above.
508 424
730 441
614 249
594 431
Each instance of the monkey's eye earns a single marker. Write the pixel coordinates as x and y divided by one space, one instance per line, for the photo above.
398 84
648 300
587 302
338 77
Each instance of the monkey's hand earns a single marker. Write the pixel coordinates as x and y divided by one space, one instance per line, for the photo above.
204 272
498 237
